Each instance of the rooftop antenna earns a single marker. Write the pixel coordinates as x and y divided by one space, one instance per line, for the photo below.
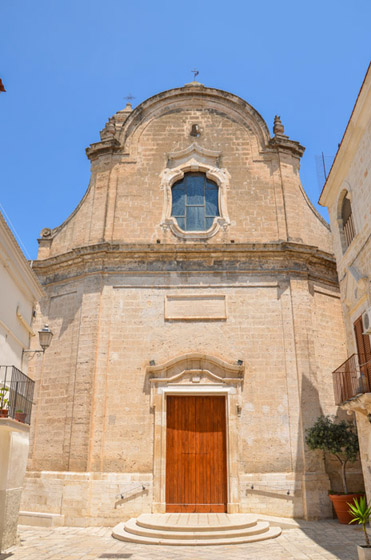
324 166
195 74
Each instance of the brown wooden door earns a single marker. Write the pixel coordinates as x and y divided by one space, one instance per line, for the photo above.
196 466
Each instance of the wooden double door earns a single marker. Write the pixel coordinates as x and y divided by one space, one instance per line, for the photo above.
196 462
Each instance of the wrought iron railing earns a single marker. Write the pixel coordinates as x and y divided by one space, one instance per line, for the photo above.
16 394
351 379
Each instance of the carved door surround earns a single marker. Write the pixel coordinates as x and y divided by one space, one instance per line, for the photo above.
195 374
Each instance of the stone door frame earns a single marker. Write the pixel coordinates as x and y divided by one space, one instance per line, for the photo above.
195 375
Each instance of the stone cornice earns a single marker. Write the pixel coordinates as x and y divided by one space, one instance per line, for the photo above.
106 146
17 264
257 258
282 143
353 134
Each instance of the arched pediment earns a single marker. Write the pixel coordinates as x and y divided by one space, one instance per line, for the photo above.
194 96
196 368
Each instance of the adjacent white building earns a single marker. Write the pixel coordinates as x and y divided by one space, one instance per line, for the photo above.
347 195
19 292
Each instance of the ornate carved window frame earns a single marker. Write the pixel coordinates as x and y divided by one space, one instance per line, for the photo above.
195 374
194 159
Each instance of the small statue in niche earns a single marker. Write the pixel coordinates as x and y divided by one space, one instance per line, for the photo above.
195 131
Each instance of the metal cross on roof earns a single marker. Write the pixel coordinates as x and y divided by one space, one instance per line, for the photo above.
129 97
195 73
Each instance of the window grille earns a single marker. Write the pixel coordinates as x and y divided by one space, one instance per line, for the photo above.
348 227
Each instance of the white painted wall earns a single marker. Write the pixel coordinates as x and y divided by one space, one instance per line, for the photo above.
19 292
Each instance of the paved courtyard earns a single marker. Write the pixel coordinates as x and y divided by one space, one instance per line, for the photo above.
314 540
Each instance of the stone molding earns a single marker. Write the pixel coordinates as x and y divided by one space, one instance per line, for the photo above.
360 403
279 258
281 142
195 151
193 95
195 374
193 159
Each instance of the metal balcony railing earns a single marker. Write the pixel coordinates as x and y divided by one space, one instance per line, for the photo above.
351 379
16 394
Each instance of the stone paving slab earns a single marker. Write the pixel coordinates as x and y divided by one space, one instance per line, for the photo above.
319 540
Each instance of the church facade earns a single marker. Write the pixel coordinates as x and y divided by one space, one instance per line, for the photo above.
195 308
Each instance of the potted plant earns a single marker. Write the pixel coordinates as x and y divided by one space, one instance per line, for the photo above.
339 438
20 415
4 401
361 514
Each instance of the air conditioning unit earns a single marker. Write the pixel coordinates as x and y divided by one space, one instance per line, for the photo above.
366 320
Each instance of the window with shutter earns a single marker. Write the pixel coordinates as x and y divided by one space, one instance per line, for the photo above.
364 351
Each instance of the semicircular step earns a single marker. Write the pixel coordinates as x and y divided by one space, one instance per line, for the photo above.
131 531
132 527
184 522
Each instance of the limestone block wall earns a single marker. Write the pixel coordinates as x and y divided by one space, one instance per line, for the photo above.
125 288
126 196
93 426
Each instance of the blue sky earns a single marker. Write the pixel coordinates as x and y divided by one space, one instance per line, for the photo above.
67 66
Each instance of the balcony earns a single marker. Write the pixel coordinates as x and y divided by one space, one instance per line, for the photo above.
351 379
16 394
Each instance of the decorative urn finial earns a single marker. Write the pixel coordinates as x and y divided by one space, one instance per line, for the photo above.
278 127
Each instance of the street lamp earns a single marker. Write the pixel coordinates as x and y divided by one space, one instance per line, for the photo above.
45 338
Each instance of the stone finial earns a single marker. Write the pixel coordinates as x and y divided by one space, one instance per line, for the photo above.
110 126
46 232
109 130
278 127
194 84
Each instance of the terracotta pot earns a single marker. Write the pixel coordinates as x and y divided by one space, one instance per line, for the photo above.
20 416
3 413
364 552
340 502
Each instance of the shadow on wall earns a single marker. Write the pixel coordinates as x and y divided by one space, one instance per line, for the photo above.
308 463
311 462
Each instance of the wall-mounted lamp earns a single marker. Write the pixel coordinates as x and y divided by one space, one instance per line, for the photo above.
152 363
45 338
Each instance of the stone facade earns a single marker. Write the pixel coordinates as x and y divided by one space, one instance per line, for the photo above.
351 176
140 309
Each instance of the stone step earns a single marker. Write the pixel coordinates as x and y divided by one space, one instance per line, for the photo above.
196 522
119 532
134 528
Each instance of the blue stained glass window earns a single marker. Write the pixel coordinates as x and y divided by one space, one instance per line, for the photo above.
195 202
